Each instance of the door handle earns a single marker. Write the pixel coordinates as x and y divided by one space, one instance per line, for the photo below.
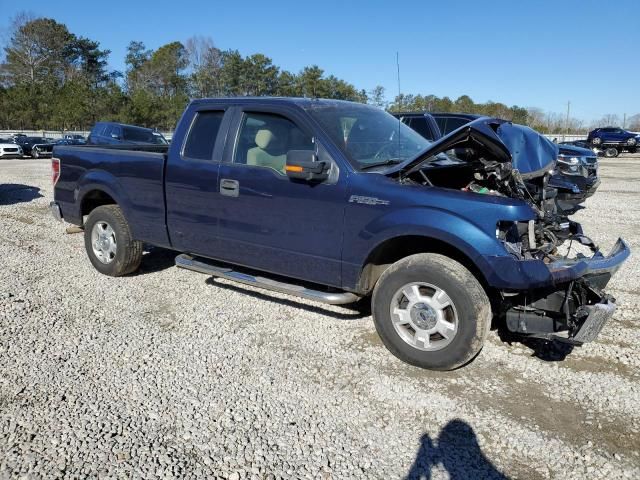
229 188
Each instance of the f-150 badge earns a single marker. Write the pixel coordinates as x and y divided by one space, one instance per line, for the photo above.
367 200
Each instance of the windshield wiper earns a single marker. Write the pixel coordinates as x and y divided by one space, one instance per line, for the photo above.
391 161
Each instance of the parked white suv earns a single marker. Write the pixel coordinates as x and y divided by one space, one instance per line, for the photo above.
10 150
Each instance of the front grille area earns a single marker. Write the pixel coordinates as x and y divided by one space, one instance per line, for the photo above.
10 150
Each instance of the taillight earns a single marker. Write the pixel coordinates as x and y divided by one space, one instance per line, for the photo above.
55 170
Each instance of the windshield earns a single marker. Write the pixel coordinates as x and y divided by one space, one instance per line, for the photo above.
367 135
143 136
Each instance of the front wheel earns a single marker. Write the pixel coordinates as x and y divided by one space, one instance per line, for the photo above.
430 311
35 153
109 244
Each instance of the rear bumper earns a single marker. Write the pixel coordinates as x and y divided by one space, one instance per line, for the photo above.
55 211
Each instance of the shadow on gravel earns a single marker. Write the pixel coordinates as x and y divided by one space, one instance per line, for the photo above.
12 193
457 450
360 309
155 259
546 350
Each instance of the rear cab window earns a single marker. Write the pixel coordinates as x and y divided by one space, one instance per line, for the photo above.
454 123
202 135
420 125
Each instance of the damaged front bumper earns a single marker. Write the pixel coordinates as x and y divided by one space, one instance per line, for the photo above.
572 306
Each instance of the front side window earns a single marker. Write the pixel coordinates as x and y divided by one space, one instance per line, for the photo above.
367 136
202 136
107 131
265 139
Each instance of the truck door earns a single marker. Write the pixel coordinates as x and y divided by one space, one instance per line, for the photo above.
268 221
191 182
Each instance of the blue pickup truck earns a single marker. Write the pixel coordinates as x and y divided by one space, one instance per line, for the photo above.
340 202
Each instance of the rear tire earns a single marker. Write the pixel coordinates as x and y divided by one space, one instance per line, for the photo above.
611 152
109 244
596 141
441 296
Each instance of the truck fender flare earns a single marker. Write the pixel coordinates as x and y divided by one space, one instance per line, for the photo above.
470 240
101 181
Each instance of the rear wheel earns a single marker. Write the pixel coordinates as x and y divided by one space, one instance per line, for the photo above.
611 152
596 141
430 311
108 241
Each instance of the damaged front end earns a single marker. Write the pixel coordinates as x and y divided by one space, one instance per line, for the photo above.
572 306
556 293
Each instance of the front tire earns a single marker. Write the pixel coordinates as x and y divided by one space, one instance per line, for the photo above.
431 312
109 244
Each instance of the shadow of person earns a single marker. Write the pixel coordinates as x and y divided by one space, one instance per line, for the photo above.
11 193
458 452
427 457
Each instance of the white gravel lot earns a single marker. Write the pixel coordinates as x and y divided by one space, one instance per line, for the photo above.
169 373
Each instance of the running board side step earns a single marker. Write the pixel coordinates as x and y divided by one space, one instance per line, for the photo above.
200 265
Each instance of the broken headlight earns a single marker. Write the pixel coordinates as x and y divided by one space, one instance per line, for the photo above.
526 240
515 236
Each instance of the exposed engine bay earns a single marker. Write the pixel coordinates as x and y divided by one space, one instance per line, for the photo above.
476 174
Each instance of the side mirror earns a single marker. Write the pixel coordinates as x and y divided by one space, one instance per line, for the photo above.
116 136
304 165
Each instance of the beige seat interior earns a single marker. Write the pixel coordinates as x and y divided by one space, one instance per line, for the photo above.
269 151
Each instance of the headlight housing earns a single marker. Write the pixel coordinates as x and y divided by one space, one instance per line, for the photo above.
569 165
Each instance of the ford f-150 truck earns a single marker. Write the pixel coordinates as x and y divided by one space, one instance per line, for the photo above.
336 202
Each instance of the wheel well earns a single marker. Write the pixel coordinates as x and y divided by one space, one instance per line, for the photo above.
94 199
394 249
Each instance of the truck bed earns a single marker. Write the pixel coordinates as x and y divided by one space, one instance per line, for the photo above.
133 175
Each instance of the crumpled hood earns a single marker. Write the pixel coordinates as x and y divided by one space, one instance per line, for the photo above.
529 152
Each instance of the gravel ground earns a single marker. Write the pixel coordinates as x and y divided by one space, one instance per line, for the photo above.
169 373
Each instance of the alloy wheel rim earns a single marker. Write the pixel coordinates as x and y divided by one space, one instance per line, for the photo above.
103 242
424 316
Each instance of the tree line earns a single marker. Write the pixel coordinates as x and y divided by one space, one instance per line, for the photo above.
53 79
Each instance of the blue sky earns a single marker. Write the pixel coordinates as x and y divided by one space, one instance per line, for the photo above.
541 53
